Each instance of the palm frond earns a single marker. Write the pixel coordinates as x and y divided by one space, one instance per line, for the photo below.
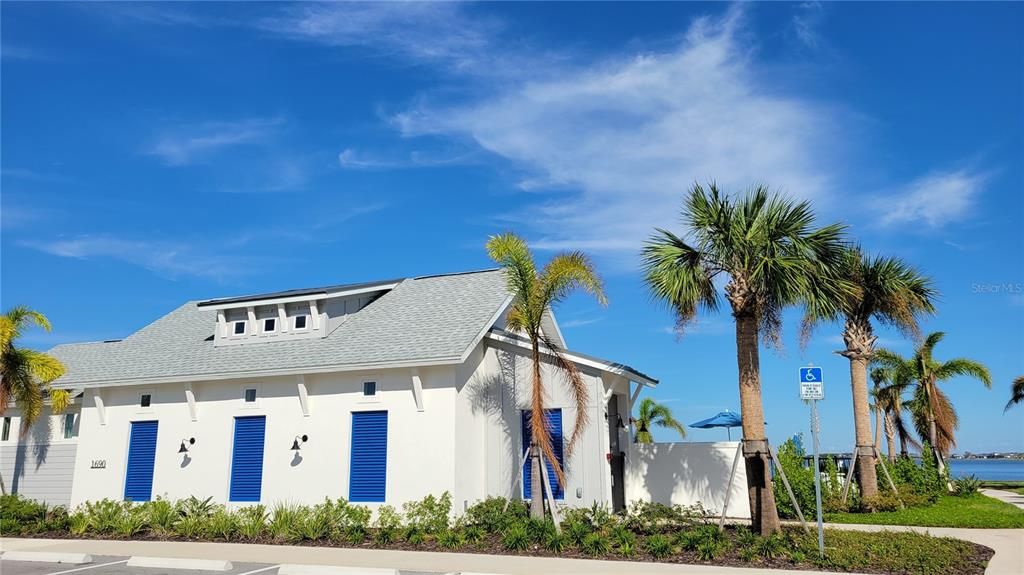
963 367
1016 393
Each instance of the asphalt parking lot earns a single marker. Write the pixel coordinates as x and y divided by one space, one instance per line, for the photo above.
116 565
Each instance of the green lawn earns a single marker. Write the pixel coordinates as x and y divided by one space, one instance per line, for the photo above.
976 511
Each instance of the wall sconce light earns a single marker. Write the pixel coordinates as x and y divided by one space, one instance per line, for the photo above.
184 448
620 424
299 439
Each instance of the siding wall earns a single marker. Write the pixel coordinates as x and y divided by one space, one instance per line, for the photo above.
41 464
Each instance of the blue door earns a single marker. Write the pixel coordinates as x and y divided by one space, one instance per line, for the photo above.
138 480
554 424
369 468
247 459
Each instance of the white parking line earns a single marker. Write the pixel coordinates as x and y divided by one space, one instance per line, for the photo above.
261 570
89 567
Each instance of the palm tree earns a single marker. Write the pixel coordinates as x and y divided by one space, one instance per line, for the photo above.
933 413
534 294
1016 393
773 257
888 396
25 374
888 292
654 413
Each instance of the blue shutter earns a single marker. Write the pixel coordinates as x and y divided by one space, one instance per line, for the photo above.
553 419
138 481
247 459
369 468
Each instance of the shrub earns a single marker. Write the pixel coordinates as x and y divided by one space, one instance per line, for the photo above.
285 521
451 539
78 523
539 529
515 538
884 501
689 540
626 549
195 507
708 550
770 547
966 486
621 535
103 515
659 546
474 534
222 524
496 514
745 537
131 522
191 526
646 517
576 531
555 542
17 508
597 516
790 456
414 535
9 526
252 521
161 515
387 524
596 544
317 523
430 513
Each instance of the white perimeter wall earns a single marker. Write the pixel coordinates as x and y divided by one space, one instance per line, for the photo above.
686 474
420 460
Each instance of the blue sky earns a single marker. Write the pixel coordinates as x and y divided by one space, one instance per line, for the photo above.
158 153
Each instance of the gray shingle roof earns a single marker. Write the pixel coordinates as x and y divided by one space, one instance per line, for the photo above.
422 320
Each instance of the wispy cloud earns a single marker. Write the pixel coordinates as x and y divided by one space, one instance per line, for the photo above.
806 20
421 31
32 175
351 159
569 324
616 142
171 259
16 52
933 200
187 144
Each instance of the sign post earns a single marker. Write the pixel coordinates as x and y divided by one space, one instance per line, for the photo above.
812 389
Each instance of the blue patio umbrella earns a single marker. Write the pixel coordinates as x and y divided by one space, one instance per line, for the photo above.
726 419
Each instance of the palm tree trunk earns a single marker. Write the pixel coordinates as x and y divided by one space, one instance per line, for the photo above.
890 437
536 414
536 483
862 424
878 429
903 446
933 435
763 513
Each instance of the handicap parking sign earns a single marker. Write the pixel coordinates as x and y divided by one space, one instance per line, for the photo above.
811 383
810 375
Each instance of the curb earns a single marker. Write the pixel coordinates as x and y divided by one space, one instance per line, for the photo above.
175 563
48 557
297 569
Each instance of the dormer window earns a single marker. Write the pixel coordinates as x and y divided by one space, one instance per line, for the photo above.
269 325
300 321
239 327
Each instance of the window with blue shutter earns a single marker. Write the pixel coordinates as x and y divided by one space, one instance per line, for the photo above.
554 424
247 459
369 468
138 480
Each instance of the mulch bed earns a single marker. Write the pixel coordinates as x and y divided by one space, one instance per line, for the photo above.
491 545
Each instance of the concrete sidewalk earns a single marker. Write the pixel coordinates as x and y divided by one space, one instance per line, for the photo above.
1006 496
405 560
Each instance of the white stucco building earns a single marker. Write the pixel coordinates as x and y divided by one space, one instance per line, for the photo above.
379 392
